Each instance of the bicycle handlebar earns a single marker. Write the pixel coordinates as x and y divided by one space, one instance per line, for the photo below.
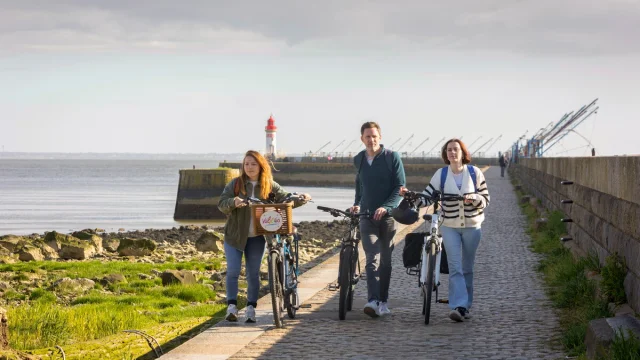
412 195
290 197
338 212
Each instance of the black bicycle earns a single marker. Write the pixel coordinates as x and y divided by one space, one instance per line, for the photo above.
431 250
349 268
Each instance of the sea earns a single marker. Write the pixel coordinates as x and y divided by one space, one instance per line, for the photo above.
74 194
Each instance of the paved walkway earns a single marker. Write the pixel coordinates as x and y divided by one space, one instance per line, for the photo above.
512 317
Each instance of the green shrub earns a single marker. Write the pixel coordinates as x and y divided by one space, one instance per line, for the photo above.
613 273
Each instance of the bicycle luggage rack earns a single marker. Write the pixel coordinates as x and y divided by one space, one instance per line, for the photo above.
413 271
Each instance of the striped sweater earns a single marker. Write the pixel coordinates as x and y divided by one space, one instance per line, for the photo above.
457 214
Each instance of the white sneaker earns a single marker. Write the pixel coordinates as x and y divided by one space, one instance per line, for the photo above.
372 309
384 309
250 314
232 313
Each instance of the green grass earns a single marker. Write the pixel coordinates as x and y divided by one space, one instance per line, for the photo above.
95 315
568 286
95 269
613 274
625 347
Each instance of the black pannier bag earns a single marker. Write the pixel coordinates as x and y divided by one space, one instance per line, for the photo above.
412 249
412 252
444 265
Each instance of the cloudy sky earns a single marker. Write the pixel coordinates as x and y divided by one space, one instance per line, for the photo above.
203 76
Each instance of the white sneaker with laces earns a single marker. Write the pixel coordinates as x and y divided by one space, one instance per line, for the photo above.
372 309
384 308
232 313
250 314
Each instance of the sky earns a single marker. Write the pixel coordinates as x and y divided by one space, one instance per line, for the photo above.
161 76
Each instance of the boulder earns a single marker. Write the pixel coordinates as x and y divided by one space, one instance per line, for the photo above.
78 249
136 247
7 257
111 244
12 242
68 285
210 241
113 279
30 253
183 277
90 236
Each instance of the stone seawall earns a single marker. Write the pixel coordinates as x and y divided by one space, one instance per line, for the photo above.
199 191
605 209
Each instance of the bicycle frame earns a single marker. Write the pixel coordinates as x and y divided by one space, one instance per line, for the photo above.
431 237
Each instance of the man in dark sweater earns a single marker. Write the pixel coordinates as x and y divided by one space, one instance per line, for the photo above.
380 175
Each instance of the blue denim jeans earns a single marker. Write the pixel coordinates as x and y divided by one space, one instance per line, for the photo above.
377 242
461 245
253 253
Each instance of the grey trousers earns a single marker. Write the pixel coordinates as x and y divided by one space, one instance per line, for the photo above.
377 241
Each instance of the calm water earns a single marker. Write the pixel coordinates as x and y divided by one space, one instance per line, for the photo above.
69 195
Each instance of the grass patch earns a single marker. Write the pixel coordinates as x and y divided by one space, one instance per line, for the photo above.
613 273
625 347
568 286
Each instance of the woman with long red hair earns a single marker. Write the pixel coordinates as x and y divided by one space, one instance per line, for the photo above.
240 239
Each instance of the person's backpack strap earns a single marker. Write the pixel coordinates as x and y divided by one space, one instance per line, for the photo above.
358 161
445 171
472 172
443 178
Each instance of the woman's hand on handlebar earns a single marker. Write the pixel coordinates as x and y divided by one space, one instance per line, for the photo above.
305 198
239 202
470 198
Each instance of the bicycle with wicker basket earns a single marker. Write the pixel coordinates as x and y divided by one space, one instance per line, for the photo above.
274 220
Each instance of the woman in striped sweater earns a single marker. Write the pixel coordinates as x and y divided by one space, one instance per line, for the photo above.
461 221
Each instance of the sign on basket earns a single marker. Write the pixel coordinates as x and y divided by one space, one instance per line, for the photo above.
271 220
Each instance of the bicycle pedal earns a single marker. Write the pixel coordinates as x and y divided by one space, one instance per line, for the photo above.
443 301
304 306
333 287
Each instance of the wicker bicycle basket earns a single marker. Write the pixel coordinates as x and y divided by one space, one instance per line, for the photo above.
266 225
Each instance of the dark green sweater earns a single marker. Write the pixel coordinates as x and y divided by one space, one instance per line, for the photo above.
376 186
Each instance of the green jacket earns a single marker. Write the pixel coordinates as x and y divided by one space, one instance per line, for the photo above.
236 229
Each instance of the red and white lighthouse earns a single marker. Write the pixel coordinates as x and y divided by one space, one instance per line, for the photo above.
270 130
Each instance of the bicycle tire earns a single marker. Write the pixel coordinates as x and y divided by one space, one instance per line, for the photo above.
275 287
346 275
428 286
292 299
354 265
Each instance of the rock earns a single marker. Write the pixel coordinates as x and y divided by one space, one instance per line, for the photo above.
216 276
48 252
121 230
601 333
4 330
4 286
30 253
79 250
91 237
145 277
210 241
183 277
67 285
111 244
6 257
156 272
524 199
11 242
136 247
113 279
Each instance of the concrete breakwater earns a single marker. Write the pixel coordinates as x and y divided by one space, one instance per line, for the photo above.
338 174
199 191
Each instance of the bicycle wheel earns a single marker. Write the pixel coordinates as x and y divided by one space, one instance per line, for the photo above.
428 286
345 280
354 266
275 286
292 299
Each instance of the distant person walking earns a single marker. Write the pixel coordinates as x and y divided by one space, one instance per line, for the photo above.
503 163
